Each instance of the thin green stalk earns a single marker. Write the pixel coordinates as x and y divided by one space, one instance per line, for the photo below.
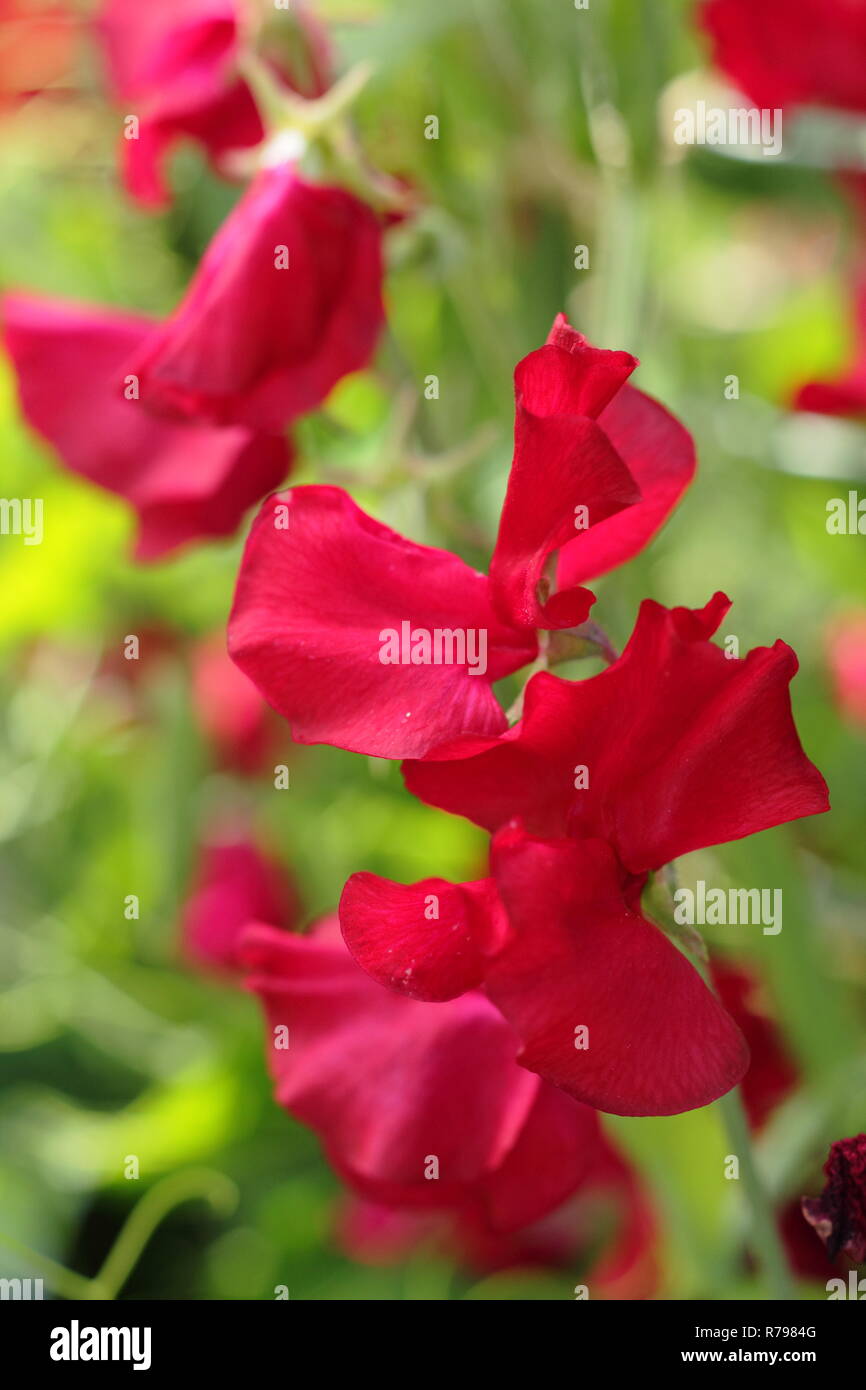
60 1279
214 1188
764 1238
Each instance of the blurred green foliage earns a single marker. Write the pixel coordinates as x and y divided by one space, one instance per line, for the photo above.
550 136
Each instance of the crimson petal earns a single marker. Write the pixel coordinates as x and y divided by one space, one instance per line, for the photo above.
287 300
312 603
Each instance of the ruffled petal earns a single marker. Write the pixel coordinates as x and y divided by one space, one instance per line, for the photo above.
673 748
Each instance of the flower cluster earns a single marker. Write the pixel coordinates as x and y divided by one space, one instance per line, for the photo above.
451 1044
602 781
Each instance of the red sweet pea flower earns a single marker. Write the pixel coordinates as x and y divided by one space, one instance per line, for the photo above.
322 584
185 481
287 300
173 64
671 749
235 885
839 1214
791 53
417 1105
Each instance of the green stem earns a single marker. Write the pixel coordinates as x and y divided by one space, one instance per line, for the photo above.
216 1189
62 1280
763 1236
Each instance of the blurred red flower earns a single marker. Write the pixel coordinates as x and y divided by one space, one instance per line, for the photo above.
235 884
843 394
185 480
243 732
606 1232
287 300
441 1136
788 53
846 658
174 65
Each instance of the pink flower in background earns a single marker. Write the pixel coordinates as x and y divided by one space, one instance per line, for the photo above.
186 481
243 732
423 1112
286 301
597 467
846 659
235 884
606 1233
173 64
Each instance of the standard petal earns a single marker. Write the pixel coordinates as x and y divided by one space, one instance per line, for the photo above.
568 376
327 611
604 1005
430 940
